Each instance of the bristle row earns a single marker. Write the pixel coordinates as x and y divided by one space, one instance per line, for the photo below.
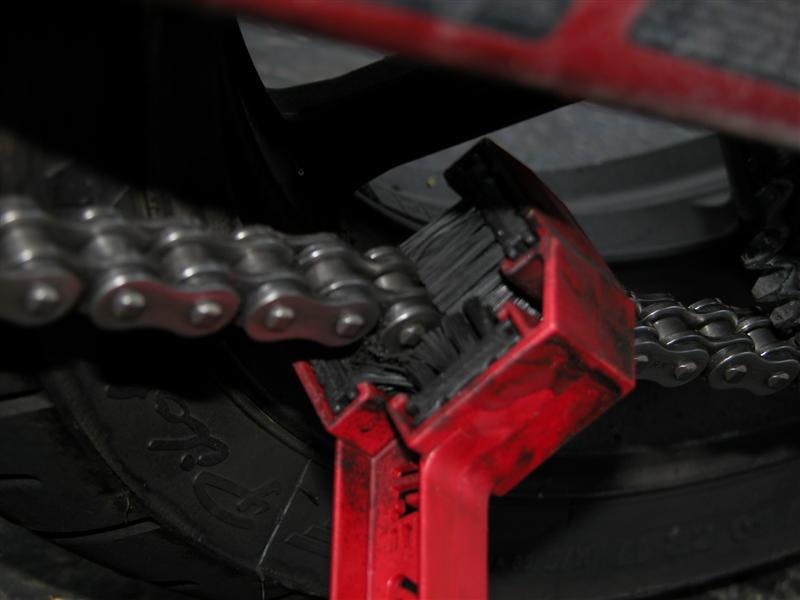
456 257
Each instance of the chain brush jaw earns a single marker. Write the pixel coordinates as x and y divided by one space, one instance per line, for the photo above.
175 276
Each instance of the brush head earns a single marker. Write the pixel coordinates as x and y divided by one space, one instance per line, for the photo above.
458 258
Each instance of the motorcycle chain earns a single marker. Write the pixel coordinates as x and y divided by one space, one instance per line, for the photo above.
178 277
734 348
730 347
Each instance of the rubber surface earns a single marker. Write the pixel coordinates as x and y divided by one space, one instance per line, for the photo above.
135 499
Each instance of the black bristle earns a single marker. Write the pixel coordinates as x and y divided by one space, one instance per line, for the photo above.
457 258
335 380
459 332
465 368
387 376
434 349
442 347
480 317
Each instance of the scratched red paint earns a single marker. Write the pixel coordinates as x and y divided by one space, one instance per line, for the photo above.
589 54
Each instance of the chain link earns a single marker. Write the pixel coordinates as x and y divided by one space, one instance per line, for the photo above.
176 276
732 348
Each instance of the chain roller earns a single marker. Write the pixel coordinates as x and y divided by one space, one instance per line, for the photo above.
176 276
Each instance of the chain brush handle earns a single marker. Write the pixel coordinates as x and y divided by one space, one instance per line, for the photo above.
176 276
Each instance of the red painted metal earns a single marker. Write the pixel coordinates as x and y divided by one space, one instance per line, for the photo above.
411 500
589 54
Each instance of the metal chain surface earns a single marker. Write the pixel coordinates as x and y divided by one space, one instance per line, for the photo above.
176 276
676 344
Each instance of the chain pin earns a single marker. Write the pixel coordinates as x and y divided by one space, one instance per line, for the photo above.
685 369
205 313
42 298
735 373
411 335
349 324
128 304
280 317
778 380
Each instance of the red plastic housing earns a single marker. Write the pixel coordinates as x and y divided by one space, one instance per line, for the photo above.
411 501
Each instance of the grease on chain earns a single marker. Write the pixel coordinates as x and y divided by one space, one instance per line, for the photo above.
175 276
676 344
